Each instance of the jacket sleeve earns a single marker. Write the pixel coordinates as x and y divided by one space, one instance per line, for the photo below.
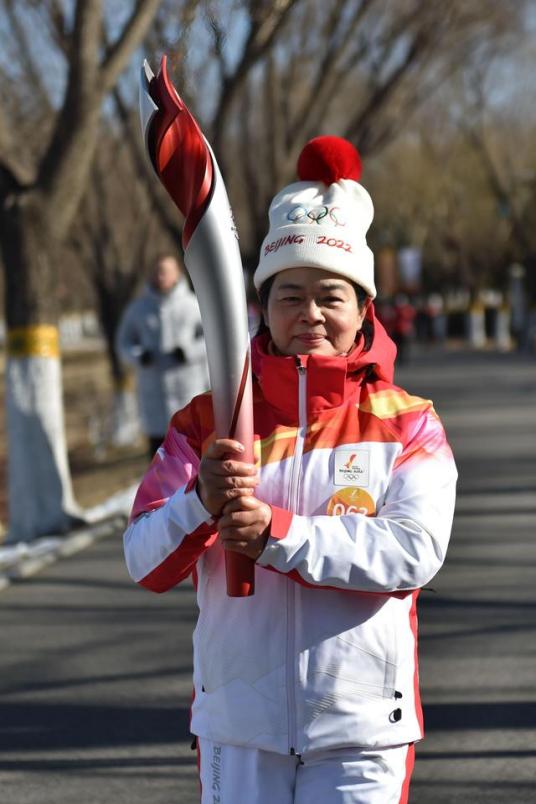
399 549
127 340
169 528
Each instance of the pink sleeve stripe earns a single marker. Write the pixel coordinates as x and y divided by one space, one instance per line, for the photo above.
181 562
429 442
173 466
281 522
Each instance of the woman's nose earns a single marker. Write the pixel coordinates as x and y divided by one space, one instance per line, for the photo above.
311 311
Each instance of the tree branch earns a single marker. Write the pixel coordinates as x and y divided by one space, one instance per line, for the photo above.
359 127
477 139
218 38
56 25
81 103
66 163
266 21
133 33
327 75
15 174
33 75
256 208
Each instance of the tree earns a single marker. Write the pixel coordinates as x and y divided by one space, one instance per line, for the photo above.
39 199
507 157
290 70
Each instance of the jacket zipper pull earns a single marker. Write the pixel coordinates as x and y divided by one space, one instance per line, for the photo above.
293 753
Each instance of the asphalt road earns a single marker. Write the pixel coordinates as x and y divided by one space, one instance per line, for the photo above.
95 674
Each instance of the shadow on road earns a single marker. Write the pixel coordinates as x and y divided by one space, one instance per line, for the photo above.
471 716
52 727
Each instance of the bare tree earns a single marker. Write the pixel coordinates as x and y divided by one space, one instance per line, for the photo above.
39 198
507 159
362 70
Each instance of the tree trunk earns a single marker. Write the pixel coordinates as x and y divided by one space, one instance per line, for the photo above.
126 429
40 496
125 425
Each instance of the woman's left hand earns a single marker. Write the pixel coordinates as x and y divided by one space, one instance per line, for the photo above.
244 526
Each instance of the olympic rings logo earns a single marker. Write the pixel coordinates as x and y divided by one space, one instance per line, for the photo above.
302 214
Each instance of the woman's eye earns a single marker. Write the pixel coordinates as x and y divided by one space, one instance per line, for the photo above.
332 299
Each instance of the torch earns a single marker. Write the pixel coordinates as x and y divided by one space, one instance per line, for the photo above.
186 166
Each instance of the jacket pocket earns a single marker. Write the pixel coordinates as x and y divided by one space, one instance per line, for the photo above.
368 669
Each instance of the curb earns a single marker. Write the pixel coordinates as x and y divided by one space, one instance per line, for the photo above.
58 547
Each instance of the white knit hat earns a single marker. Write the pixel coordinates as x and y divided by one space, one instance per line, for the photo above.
321 221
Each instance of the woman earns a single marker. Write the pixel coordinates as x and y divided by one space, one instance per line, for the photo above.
306 692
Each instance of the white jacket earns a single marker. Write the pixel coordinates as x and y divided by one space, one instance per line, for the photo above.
361 483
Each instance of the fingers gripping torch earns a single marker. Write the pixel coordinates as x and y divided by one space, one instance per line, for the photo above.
186 166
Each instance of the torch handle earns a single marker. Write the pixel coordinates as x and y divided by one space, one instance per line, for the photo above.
240 574
240 569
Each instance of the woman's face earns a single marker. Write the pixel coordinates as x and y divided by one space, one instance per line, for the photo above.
312 311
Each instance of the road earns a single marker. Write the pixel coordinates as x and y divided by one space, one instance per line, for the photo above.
95 674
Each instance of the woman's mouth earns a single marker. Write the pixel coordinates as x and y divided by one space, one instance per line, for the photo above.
311 337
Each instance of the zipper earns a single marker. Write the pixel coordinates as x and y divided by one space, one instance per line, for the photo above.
300 437
293 502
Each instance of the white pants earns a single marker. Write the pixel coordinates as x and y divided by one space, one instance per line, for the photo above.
233 775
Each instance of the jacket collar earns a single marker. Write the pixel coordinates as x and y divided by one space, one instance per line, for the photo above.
331 381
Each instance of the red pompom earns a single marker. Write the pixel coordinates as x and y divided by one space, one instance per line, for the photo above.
329 159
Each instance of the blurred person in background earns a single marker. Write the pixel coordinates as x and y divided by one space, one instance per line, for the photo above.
160 335
403 329
435 308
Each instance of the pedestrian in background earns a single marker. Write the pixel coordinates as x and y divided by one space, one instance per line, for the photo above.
161 337
307 692
403 326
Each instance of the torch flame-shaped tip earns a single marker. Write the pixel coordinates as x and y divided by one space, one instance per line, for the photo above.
178 151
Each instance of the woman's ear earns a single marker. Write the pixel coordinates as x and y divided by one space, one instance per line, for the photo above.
365 310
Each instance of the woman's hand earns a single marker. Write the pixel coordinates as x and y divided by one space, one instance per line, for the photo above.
244 526
223 476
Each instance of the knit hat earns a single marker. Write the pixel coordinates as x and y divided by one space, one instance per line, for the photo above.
321 221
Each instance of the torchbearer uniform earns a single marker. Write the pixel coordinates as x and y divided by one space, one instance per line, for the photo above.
308 691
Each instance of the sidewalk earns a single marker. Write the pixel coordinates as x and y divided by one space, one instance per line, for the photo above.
24 559
96 673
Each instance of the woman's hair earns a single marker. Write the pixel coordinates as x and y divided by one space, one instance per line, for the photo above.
362 296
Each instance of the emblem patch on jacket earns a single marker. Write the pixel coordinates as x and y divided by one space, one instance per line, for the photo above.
352 467
351 501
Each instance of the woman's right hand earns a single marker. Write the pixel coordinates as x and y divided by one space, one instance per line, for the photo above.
223 476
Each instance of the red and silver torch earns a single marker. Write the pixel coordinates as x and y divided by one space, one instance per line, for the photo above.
186 166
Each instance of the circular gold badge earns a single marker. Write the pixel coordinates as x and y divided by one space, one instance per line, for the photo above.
351 501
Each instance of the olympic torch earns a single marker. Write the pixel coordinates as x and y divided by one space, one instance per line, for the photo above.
186 166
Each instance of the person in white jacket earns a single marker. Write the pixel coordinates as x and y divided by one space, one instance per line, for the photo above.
160 335
307 692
